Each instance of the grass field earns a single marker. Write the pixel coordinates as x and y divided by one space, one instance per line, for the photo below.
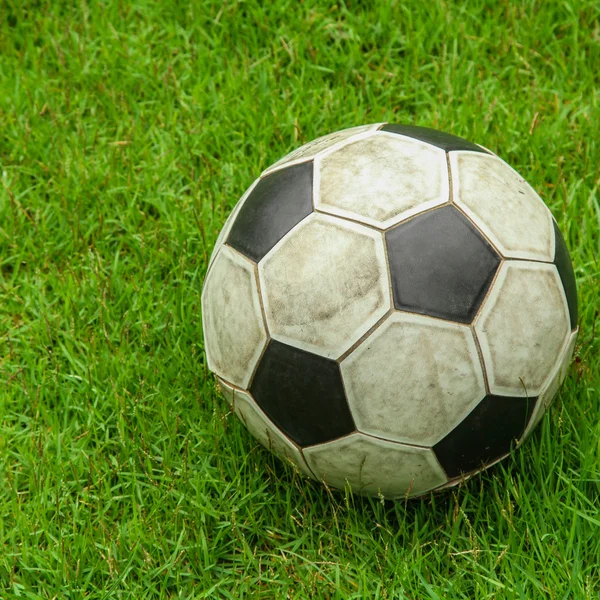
127 132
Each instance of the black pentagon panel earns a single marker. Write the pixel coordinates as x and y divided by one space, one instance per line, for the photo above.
303 394
440 265
278 202
485 435
562 260
441 139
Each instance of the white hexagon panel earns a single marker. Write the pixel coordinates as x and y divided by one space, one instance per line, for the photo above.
325 285
381 179
523 328
372 466
234 330
413 379
311 149
503 205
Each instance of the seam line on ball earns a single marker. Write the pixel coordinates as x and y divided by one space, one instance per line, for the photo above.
450 185
266 327
389 271
260 301
320 211
384 439
481 232
346 399
308 465
231 385
418 214
363 337
255 368
489 290
247 258
481 360
532 260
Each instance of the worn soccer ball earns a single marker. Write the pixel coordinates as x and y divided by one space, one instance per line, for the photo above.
390 308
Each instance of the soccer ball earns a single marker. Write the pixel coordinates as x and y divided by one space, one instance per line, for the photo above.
390 308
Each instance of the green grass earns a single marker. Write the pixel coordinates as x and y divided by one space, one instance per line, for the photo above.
127 132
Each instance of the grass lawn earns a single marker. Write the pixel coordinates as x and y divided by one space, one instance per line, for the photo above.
128 130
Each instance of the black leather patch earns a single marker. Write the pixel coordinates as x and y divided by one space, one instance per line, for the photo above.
562 260
485 435
302 393
278 202
445 141
440 265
